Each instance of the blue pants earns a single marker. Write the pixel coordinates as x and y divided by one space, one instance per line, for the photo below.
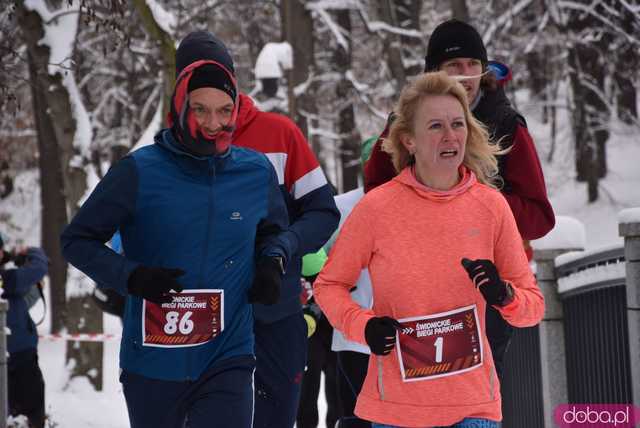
221 397
281 354
465 423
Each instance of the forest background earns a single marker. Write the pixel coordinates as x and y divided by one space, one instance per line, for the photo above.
84 82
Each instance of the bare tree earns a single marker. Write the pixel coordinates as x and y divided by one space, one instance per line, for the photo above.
50 100
347 130
167 49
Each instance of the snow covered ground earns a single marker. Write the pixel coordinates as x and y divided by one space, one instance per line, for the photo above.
619 190
72 404
75 403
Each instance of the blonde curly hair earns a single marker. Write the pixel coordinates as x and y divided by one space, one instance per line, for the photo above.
480 154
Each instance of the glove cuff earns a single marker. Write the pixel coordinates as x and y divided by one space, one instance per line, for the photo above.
506 296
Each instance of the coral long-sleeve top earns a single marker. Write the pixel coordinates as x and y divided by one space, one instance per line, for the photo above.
412 239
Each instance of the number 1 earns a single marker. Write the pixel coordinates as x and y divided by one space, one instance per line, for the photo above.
438 345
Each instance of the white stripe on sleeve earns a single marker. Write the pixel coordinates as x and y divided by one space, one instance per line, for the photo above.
309 182
279 162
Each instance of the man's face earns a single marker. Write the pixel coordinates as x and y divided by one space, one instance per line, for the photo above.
212 109
465 67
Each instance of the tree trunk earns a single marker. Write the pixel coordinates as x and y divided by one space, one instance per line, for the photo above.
626 71
349 137
459 10
167 48
591 114
85 358
627 102
52 199
297 29
45 87
392 46
401 14
63 183
538 81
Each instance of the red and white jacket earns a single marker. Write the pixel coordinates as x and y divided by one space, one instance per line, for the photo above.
313 215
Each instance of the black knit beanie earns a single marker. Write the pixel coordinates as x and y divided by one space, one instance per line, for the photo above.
454 39
212 76
202 45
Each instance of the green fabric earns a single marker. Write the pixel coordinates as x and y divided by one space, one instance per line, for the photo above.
312 263
367 146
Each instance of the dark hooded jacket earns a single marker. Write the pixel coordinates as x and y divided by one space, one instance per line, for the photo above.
17 283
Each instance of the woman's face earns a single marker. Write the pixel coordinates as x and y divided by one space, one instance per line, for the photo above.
440 136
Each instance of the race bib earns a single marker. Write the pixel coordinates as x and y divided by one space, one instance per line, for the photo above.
191 318
439 345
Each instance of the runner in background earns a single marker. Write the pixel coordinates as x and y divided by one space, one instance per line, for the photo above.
24 378
280 329
320 358
441 244
353 357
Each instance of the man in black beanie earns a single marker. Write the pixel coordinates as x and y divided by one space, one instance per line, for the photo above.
457 48
203 226
280 329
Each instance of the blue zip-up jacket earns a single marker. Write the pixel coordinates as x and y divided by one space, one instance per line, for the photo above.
175 210
17 283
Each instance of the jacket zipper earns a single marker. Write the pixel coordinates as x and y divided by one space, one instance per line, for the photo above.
211 170
380 384
491 382
212 178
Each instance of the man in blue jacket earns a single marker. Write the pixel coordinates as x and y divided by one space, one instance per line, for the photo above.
25 382
201 223
280 329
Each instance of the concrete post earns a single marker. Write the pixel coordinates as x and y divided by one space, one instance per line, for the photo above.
631 233
552 344
4 393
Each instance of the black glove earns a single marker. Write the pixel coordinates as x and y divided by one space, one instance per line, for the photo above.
19 259
485 277
380 334
267 281
7 256
154 283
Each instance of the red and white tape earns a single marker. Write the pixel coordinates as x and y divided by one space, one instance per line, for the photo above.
81 337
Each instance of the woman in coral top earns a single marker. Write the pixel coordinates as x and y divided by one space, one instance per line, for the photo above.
440 243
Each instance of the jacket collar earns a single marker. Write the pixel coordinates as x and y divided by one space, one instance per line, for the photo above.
187 161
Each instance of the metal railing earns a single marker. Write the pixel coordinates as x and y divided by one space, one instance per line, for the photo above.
593 293
521 388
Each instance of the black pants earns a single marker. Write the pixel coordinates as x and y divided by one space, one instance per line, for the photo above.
352 370
499 334
221 397
281 352
320 358
26 387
